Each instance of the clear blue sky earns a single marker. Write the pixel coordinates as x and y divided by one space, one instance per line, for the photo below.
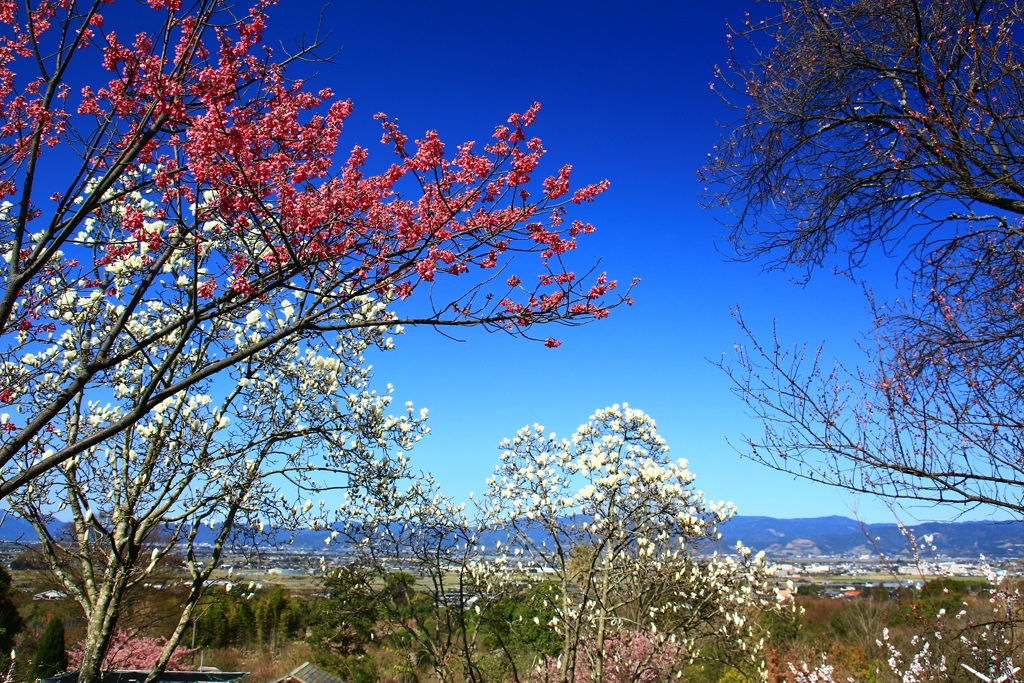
625 93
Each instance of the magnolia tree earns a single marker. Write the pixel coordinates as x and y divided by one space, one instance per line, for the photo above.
616 544
628 541
423 545
166 186
890 127
245 461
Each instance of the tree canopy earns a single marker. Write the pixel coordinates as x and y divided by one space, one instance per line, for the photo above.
886 127
175 204
192 269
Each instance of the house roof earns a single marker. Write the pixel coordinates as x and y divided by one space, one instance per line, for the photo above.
309 673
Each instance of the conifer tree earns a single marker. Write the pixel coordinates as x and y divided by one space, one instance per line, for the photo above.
11 622
51 657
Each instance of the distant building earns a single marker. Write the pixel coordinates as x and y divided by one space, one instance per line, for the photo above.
50 595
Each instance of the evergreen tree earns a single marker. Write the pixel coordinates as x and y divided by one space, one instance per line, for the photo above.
212 626
51 657
11 622
268 611
243 624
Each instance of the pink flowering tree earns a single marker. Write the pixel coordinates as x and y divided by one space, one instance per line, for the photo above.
191 273
165 186
134 652
630 657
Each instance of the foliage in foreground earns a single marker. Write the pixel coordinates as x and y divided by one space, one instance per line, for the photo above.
621 540
353 630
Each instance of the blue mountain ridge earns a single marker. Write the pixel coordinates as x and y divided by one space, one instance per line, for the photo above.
833 536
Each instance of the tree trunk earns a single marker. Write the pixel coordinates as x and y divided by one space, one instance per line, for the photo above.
102 620
172 643
602 619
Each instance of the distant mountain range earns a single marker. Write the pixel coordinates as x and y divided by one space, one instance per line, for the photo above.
779 538
844 537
